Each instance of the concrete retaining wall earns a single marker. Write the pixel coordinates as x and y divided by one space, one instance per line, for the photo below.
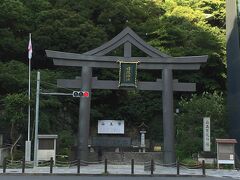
125 157
3 153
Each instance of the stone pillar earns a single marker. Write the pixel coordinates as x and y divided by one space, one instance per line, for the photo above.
84 114
143 145
168 121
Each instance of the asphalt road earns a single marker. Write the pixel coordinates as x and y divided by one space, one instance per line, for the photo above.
66 177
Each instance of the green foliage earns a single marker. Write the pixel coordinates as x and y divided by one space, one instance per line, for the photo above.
66 141
13 77
15 116
189 122
185 31
15 104
13 25
189 162
175 27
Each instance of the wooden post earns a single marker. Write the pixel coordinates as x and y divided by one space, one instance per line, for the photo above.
4 165
51 165
23 165
78 166
203 168
105 166
132 166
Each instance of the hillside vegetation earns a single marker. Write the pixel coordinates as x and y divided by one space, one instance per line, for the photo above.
175 27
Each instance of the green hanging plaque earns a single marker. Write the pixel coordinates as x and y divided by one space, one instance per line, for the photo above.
127 74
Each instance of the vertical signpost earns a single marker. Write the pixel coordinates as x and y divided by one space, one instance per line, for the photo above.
206 134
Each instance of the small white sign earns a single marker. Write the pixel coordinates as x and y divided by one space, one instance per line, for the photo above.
206 134
231 157
111 127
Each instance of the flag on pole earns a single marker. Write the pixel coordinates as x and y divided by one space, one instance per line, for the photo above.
30 47
28 142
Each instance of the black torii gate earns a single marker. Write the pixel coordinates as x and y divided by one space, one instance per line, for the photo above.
155 61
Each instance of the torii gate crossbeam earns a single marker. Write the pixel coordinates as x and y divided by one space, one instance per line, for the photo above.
156 60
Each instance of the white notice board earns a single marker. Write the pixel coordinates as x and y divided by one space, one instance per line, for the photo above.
110 126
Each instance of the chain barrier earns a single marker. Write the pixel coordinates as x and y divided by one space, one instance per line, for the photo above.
13 164
195 166
12 161
148 165
73 163
167 165
66 163
119 162
44 163
141 162
94 162
29 164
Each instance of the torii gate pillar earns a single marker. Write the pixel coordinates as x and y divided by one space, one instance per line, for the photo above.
168 120
84 114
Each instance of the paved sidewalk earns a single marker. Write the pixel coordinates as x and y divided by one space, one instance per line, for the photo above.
126 169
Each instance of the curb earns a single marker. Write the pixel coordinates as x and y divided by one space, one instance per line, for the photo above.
126 175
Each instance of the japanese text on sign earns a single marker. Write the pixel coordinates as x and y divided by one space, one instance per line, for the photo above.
206 134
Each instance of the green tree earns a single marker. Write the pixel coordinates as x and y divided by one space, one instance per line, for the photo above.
13 26
175 27
13 77
189 122
184 31
15 114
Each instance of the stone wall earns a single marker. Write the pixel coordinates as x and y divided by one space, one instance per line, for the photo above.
125 157
3 153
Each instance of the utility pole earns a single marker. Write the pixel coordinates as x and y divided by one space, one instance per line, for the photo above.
36 121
